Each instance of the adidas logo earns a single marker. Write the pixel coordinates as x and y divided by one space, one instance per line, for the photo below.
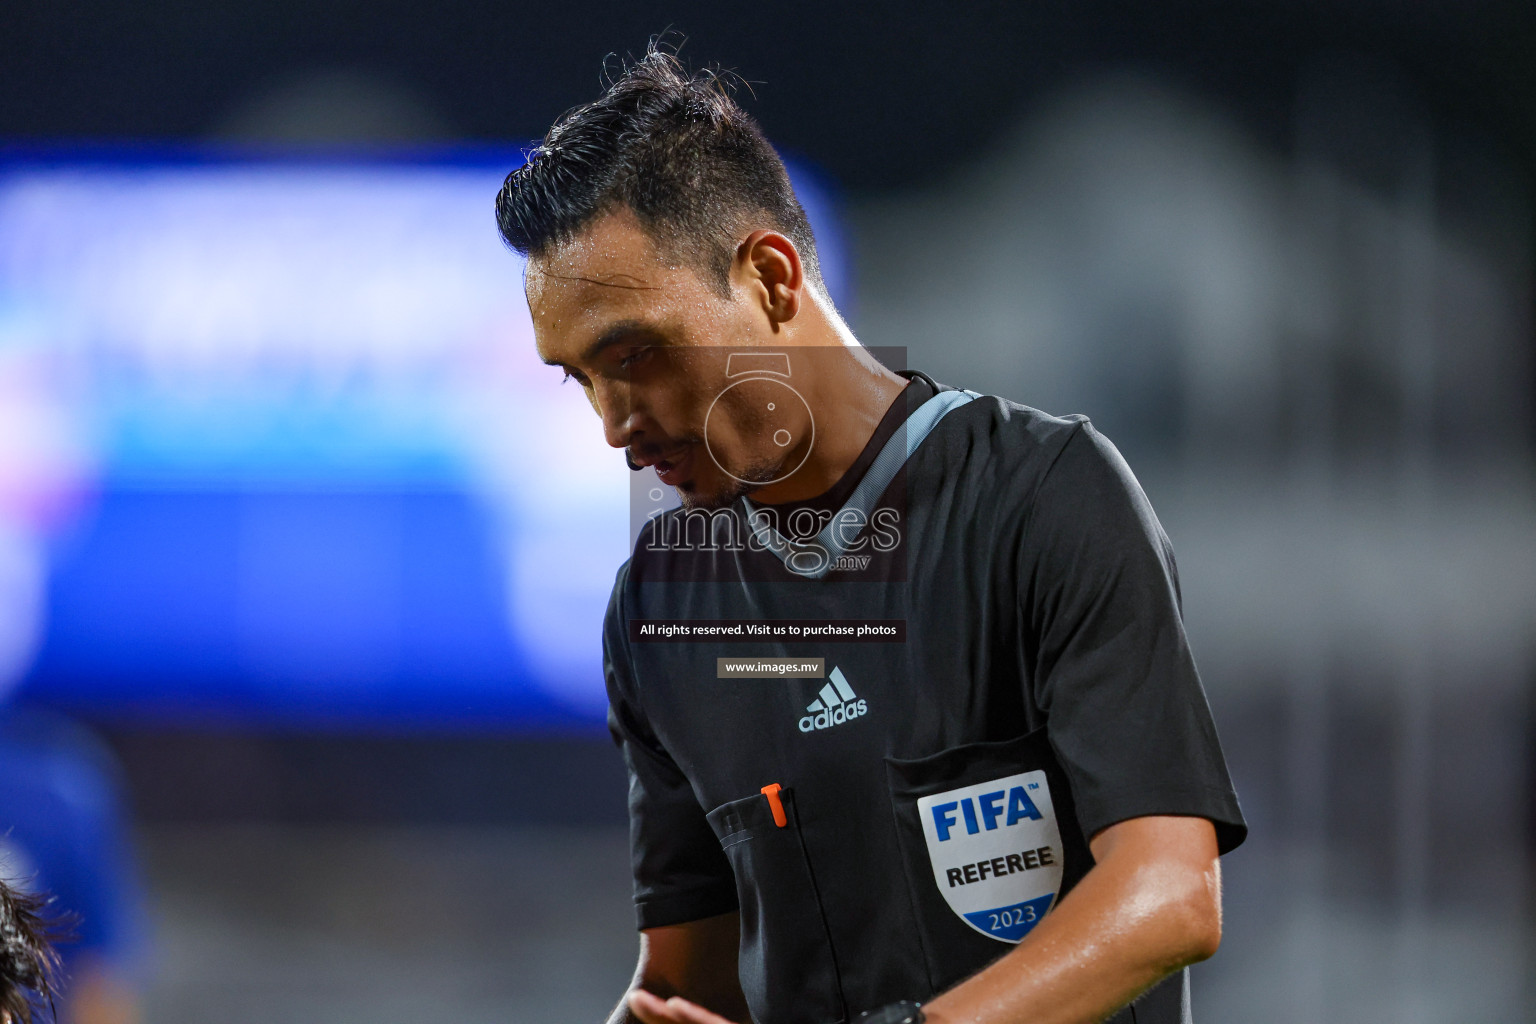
835 704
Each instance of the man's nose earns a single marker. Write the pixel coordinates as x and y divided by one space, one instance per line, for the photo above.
619 412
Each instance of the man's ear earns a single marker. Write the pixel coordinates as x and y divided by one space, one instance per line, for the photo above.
768 263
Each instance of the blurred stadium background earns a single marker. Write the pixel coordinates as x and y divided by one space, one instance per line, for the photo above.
298 612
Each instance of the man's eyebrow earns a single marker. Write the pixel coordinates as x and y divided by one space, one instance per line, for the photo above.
612 336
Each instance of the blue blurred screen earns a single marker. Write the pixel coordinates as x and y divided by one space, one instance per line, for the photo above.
275 447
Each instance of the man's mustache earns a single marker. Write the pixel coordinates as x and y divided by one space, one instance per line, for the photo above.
652 449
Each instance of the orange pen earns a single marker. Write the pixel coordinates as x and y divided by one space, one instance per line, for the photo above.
771 791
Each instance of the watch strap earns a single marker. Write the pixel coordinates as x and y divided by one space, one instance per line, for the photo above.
903 1012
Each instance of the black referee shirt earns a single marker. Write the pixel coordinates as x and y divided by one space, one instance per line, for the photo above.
929 795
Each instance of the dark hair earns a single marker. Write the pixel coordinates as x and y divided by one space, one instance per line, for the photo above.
28 961
670 145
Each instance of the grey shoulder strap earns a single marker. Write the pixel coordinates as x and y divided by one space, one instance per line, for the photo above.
814 558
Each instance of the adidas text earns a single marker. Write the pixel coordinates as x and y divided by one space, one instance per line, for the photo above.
837 716
834 705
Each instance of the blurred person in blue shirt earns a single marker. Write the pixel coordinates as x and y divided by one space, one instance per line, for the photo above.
62 832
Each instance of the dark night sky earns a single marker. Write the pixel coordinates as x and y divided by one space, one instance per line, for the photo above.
877 94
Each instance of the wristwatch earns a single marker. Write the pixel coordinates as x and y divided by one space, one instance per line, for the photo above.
904 1012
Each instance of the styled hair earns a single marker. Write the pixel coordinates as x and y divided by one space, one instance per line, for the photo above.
673 147
28 962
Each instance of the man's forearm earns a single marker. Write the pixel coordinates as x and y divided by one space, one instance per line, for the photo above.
1150 906
695 960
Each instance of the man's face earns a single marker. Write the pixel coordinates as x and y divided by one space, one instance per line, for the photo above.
649 339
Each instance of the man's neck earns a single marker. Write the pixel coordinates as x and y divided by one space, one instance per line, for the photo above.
848 391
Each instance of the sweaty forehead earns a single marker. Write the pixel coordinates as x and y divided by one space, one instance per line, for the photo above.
612 254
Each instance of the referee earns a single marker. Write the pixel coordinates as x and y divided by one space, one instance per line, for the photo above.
912 727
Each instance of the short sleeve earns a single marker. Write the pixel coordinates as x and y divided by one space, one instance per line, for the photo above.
1125 710
680 872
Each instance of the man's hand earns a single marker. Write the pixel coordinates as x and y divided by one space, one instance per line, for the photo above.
677 1010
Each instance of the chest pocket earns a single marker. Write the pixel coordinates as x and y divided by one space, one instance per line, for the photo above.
787 967
989 842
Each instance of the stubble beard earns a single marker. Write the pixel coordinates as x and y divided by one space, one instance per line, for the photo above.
731 488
